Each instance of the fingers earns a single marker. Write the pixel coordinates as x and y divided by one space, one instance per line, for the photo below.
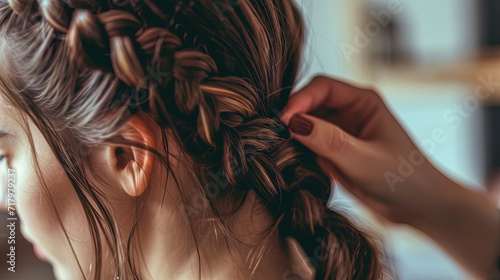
327 140
321 92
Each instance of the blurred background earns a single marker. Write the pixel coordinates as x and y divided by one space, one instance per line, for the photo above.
437 64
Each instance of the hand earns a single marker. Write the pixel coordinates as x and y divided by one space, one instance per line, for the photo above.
361 145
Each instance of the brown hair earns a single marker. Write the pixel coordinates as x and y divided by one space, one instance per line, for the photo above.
217 73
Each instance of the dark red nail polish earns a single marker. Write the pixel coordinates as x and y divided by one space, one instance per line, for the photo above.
300 125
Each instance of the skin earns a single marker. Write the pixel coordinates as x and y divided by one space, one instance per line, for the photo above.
162 228
353 130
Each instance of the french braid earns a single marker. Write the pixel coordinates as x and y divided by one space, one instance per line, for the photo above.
223 105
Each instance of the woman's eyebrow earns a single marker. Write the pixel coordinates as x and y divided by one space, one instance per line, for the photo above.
5 134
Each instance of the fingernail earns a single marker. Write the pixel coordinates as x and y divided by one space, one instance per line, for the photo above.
300 125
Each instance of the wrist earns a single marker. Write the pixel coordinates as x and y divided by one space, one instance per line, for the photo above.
426 191
462 221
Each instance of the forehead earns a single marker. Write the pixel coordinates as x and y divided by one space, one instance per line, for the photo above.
6 108
10 117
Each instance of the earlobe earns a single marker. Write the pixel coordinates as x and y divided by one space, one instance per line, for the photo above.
132 166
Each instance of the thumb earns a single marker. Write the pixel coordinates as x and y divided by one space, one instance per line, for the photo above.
327 140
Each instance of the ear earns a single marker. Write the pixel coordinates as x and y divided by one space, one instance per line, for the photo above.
130 165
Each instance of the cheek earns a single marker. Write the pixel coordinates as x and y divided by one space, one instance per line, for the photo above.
43 209
32 203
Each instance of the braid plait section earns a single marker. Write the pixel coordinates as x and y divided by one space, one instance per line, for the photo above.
116 37
223 123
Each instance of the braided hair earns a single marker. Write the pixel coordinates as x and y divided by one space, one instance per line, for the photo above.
217 75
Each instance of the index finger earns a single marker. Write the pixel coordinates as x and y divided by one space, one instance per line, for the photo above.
320 92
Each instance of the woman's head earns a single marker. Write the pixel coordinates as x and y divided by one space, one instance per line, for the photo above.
142 124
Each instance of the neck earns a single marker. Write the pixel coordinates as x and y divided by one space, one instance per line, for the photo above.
168 249
171 253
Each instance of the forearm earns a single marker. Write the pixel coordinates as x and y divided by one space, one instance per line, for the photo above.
462 221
